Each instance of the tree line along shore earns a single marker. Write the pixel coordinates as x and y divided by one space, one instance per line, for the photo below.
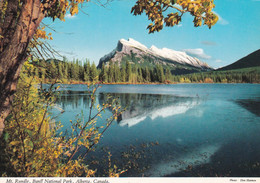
78 72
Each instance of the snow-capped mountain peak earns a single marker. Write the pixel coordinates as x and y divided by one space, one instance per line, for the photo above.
133 43
164 55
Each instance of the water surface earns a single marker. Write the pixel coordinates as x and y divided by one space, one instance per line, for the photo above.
177 130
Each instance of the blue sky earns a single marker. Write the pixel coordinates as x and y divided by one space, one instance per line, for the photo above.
93 35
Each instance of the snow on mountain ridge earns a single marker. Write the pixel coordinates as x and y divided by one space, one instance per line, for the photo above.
126 46
134 43
178 56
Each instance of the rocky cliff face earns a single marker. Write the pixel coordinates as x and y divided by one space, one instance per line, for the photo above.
164 56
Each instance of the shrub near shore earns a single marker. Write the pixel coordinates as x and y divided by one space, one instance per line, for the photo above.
31 146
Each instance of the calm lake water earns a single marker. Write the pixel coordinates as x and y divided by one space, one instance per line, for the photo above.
176 130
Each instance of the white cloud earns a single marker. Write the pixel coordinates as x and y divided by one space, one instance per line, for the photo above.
218 61
69 16
179 25
198 52
221 20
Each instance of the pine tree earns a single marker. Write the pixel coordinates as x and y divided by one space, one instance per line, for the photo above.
168 74
128 71
77 68
93 73
117 73
147 75
60 70
81 73
140 75
123 73
66 72
74 71
87 71
53 69
111 72
134 69
103 73
160 73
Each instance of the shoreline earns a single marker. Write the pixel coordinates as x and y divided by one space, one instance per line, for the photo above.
125 83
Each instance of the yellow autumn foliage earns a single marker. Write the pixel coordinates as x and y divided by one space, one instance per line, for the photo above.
41 34
33 147
208 80
158 12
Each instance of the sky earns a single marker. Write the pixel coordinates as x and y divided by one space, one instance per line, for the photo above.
96 30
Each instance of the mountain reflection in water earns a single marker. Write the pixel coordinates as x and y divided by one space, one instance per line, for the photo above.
140 106
137 106
210 135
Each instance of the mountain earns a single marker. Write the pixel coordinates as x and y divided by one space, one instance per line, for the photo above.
251 60
178 62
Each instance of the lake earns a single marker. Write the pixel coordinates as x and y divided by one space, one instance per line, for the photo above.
175 130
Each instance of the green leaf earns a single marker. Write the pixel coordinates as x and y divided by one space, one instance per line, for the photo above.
30 144
29 132
6 136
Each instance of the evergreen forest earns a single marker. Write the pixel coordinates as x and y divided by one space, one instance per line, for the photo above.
128 72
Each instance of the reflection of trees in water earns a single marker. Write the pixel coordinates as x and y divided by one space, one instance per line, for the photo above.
137 105
74 99
129 100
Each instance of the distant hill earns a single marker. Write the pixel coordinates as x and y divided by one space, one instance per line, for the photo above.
251 60
177 62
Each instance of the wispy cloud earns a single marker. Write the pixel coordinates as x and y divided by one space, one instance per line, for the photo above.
198 52
68 16
179 25
221 20
208 43
218 61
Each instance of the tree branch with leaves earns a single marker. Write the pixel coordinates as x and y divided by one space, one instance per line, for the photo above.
170 12
20 26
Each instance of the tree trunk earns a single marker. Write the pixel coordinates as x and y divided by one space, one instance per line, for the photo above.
17 33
